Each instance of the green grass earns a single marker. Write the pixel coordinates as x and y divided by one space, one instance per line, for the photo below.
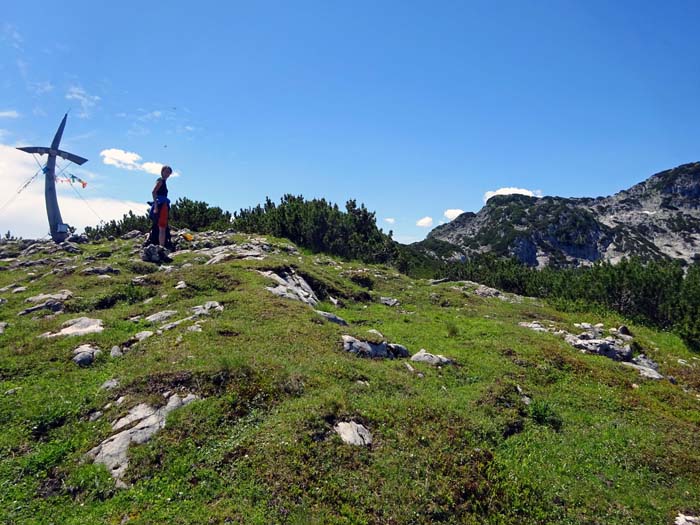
598 444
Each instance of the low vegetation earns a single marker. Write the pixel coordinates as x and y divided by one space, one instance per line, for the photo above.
596 443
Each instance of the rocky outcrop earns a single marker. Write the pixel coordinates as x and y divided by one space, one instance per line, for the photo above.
615 346
291 286
155 254
140 424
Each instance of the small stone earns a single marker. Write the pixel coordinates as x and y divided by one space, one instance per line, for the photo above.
353 433
160 316
425 357
95 415
20 289
110 384
181 285
3 325
332 318
12 391
389 301
635 386
375 332
116 351
140 336
84 359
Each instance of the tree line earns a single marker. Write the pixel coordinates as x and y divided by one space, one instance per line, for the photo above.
661 293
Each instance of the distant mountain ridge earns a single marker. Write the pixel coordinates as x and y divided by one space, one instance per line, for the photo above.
655 219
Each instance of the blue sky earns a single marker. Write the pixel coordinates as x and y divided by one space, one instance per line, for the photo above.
413 108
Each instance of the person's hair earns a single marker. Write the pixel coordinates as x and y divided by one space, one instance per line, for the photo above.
166 168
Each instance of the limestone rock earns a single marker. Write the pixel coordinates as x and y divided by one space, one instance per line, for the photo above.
292 286
110 384
207 308
181 285
79 326
425 357
683 519
3 325
155 254
62 295
133 234
116 351
103 270
52 304
389 301
353 433
373 350
85 355
112 452
332 318
160 316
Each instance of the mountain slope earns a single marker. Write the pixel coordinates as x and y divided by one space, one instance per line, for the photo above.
520 428
657 218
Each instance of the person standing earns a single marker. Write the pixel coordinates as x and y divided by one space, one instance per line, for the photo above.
161 203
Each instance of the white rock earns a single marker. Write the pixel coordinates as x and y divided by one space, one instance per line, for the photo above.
61 295
353 434
425 357
112 452
332 318
683 519
79 326
645 371
181 285
160 316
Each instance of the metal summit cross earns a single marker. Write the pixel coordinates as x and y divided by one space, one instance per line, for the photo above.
59 230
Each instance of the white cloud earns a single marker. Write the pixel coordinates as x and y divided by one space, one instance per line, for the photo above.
121 159
511 191
152 167
10 113
425 222
10 34
87 101
131 161
390 220
25 216
452 214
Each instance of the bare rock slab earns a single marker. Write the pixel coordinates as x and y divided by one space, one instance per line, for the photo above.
291 286
353 433
159 317
79 326
146 421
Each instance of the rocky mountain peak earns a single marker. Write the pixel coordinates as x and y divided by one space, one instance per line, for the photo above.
657 218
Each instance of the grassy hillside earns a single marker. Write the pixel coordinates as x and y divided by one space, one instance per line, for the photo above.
459 443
